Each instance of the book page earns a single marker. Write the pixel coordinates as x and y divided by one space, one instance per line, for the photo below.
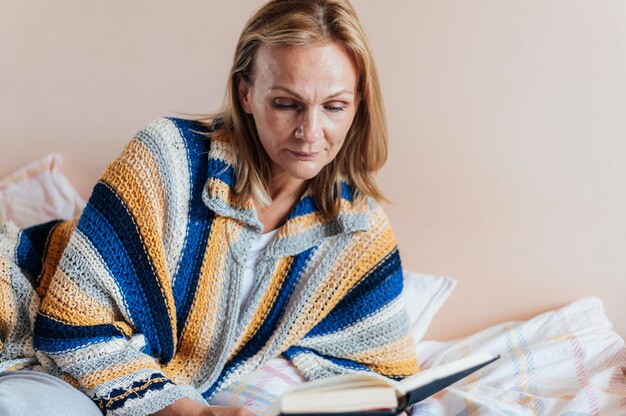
336 401
343 382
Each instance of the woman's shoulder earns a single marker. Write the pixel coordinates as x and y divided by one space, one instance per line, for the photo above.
378 216
363 213
176 140
173 149
172 129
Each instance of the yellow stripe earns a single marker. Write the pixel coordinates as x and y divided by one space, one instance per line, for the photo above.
398 368
133 176
98 377
528 400
136 154
220 190
124 327
221 148
69 380
394 359
197 336
62 300
57 241
347 271
278 277
7 306
303 223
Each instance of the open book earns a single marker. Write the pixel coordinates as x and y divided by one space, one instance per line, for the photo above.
355 394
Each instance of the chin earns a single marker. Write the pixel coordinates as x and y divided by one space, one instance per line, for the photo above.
304 174
304 177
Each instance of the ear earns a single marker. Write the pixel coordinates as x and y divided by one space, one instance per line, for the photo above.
243 89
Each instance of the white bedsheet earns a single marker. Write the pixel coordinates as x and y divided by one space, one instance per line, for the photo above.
566 362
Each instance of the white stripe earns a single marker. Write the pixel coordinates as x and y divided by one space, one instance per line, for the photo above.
82 259
165 143
385 314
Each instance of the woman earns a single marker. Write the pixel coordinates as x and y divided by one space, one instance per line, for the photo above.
208 248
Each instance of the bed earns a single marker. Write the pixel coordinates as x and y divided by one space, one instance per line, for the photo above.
566 362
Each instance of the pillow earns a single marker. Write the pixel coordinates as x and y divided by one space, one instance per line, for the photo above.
423 296
37 193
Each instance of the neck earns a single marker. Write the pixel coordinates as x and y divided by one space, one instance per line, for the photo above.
285 192
284 188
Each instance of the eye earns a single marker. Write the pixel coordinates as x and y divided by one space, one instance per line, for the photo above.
286 104
335 107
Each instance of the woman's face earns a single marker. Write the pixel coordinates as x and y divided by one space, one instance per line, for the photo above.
303 100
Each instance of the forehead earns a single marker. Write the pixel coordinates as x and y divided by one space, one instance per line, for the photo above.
318 65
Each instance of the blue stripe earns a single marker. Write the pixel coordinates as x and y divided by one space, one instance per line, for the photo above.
53 336
31 249
199 222
270 323
57 346
108 224
379 288
197 134
138 392
293 352
307 204
218 169
194 129
304 206
189 269
106 242
347 192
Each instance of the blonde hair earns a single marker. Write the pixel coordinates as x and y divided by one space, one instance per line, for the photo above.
302 22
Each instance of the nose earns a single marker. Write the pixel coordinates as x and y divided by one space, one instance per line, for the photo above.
313 129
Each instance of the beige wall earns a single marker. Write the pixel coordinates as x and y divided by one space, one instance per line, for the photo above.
507 119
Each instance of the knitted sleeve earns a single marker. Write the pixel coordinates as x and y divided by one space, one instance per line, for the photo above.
28 258
16 303
108 319
368 329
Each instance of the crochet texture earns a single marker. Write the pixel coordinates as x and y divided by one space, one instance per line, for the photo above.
140 293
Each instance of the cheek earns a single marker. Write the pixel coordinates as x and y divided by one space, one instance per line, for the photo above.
268 126
339 131
274 121
273 131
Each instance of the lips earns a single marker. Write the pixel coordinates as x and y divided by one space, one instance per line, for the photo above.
304 155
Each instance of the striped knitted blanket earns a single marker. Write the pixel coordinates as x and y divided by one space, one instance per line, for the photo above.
139 295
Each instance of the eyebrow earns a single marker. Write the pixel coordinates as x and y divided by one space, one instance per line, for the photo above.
295 94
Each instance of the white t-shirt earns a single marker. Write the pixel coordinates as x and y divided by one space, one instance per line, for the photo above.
258 246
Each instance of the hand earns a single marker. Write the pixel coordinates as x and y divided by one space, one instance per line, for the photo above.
187 407
223 411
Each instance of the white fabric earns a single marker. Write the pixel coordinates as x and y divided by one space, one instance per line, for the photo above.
29 393
258 246
563 362
256 391
37 193
424 295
